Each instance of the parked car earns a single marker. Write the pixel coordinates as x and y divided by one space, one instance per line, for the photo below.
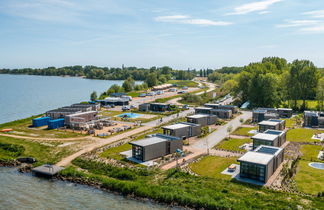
125 108
185 106
184 88
172 89
151 93
181 91
142 95
133 107
160 92
107 106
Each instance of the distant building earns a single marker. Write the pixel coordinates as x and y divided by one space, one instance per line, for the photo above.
234 109
182 130
154 147
162 87
313 119
261 163
154 107
261 114
203 110
202 119
116 101
272 124
73 120
270 138
222 113
94 106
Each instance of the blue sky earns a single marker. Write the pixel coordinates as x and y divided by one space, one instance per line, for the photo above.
179 33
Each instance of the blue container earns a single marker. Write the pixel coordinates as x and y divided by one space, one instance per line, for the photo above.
38 122
58 123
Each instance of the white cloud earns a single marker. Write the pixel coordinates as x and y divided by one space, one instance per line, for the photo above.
296 23
314 29
253 7
171 18
264 12
184 19
315 13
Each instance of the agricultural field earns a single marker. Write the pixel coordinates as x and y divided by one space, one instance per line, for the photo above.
244 131
233 144
212 166
23 128
302 135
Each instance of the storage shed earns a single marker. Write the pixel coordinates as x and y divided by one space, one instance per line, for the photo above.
202 119
154 147
272 124
159 107
285 112
57 123
42 121
234 109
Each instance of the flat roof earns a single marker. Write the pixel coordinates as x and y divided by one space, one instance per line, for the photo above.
265 136
176 126
268 150
256 157
161 104
209 108
148 141
284 109
199 116
276 120
274 132
222 110
267 122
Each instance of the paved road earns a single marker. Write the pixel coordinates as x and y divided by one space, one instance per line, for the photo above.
200 147
214 138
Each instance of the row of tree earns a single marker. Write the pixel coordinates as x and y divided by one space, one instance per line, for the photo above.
273 81
95 72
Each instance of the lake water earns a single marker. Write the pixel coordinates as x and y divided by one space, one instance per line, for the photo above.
24 191
24 95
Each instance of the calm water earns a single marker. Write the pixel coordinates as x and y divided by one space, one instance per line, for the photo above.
22 95
24 191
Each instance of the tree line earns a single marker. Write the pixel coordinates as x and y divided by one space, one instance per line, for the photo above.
94 72
273 82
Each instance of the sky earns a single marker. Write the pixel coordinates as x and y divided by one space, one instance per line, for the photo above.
181 34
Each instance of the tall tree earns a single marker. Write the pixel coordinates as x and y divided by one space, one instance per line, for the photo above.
320 94
93 96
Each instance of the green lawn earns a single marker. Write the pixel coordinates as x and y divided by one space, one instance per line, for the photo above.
212 166
290 123
310 152
301 135
22 128
310 104
308 179
44 153
233 144
182 83
244 131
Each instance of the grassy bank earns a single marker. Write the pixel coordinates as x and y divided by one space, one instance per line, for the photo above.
233 144
44 152
244 131
183 83
173 187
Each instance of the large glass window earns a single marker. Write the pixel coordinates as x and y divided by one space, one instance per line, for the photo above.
252 171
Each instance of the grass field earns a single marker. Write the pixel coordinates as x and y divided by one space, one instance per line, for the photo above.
310 104
233 144
212 166
182 83
22 128
310 152
44 152
308 179
301 135
290 123
244 131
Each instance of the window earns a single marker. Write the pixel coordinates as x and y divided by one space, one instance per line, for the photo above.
252 171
